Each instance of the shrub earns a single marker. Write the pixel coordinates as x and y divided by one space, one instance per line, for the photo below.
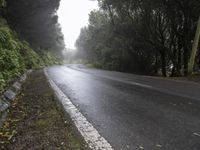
16 56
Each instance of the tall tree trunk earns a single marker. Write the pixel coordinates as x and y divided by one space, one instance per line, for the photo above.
185 61
179 63
194 49
174 60
110 14
163 60
173 72
185 54
186 39
156 64
198 61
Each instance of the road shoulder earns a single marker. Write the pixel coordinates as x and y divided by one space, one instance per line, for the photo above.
36 121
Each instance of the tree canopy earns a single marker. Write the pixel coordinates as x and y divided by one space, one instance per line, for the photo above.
32 21
37 22
143 36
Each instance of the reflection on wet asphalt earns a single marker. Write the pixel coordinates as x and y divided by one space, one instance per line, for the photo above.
134 112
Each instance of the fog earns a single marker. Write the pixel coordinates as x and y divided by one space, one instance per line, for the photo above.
73 15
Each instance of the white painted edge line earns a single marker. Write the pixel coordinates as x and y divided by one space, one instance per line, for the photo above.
142 85
89 133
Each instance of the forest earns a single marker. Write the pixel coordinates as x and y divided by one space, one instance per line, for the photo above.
30 37
37 22
153 37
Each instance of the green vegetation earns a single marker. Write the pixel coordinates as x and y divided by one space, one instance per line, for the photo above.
153 37
16 56
36 21
26 25
194 49
11 61
50 59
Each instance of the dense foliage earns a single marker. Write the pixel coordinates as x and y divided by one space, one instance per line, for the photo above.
36 21
12 61
17 55
143 36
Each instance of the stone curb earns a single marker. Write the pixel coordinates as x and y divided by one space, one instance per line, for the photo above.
10 94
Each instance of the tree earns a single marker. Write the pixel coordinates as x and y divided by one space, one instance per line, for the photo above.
194 49
36 21
143 36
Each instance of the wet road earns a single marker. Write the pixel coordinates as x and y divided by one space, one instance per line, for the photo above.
134 112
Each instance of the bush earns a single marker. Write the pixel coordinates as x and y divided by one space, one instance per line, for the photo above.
96 64
50 59
31 59
17 56
11 64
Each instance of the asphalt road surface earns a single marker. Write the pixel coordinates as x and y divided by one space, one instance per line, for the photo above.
134 112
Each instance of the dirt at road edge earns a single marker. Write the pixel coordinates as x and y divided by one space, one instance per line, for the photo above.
37 121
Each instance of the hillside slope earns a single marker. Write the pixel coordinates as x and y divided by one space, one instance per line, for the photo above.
16 56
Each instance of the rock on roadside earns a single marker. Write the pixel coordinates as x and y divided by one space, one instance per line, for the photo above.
10 94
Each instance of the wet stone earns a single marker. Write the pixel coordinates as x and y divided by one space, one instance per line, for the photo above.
3 105
2 118
23 78
9 94
17 86
29 71
2 98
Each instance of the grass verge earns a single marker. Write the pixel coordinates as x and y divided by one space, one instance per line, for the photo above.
194 78
36 121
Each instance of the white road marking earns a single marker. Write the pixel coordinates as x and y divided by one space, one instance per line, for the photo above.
89 133
142 85
197 134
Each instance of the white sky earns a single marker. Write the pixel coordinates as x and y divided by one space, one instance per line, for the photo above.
73 15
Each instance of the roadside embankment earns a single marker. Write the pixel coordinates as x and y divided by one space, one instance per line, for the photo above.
9 95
